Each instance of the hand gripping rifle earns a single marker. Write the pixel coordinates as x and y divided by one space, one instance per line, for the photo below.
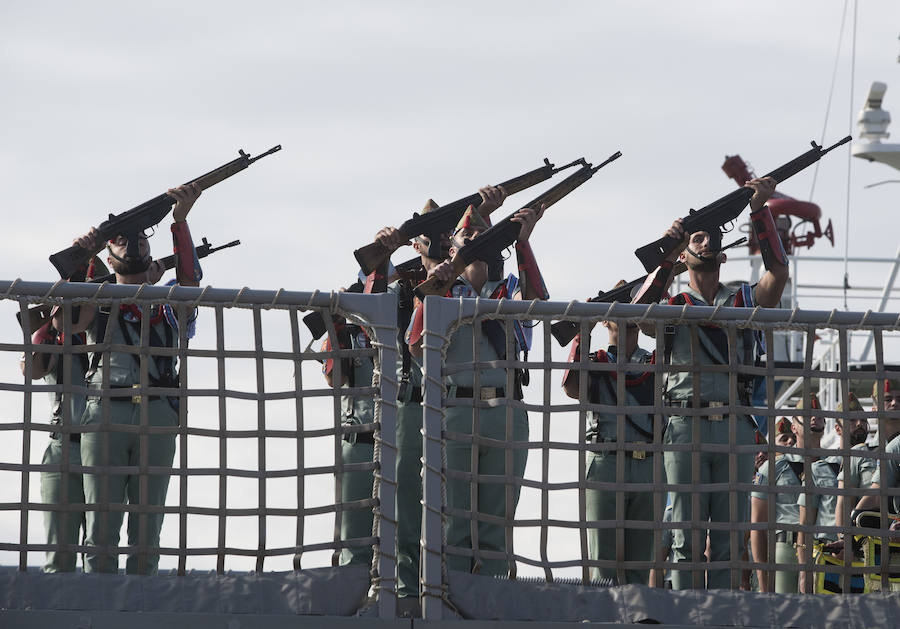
146 215
565 331
438 222
726 209
39 315
504 233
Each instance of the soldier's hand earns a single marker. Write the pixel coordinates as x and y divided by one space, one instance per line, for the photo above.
90 241
676 231
527 218
492 197
762 191
391 239
155 272
185 196
443 271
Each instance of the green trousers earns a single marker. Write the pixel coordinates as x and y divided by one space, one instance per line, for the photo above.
492 498
409 497
785 582
714 506
62 528
124 449
356 523
601 505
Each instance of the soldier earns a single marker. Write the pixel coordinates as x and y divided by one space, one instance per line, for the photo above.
701 252
129 257
409 398
475 282
62 528
601 465
788 469
888 472
358 445
861 472
817 509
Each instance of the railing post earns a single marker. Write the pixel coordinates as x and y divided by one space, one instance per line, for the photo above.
432 466
383 323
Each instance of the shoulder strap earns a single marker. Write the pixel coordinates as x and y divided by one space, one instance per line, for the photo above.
797 467
101 319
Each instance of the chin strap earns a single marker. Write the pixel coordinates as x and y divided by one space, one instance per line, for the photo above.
770 245
187 264
529 273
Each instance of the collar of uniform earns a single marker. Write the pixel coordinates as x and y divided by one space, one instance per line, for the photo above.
722 293
486 291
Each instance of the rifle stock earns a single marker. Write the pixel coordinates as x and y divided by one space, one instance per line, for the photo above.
39 315
727 208
147 214
439 221
565 331
504 233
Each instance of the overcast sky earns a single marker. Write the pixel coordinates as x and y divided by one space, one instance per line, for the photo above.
381 105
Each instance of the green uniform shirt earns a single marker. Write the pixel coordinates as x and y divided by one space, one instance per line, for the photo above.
888 472
359 409
415 371
787 511
460 350
824 475
713 386
124 370
638 392
862 469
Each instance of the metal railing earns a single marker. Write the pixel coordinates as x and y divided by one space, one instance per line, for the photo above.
277 436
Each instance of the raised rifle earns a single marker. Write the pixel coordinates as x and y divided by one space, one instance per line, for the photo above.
40 315
437 222
501 235
724 210
169 261
146 215
565 331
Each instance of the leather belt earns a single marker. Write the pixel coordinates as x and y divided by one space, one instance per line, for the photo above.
74 437
485 393
118 397
703 404
639 455
360 437
788 537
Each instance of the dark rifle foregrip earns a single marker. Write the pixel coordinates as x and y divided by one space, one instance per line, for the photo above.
653 254
371 256
70 259
564 331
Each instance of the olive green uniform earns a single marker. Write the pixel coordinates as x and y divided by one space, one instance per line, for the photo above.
861 472
492 424
601 467
63 529
714 429
119 449
888 473
824 475
786 512
357 447
409 452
